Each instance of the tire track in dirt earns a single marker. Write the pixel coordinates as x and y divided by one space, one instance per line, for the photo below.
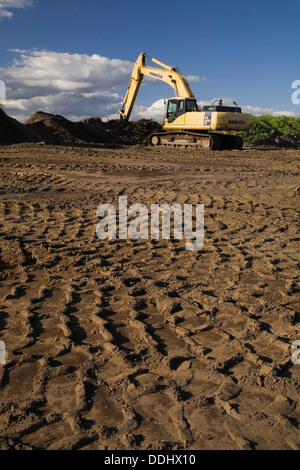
142 345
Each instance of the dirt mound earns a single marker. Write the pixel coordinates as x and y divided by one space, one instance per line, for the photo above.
12 131
92 130
56 129
132 132
275 139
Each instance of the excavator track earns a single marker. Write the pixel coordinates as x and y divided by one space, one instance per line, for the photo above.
196 140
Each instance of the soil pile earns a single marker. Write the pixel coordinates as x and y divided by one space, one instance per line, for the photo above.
55 129
274 138
12 131
132 132
92 130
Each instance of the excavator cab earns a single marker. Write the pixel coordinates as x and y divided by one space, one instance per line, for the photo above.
178 106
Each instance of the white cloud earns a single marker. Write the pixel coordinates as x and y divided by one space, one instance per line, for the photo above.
6 5
5 14
15 3
195 78
74 85
74 106
61 71
258 111
156 111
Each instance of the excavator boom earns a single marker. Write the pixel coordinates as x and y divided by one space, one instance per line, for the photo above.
167 74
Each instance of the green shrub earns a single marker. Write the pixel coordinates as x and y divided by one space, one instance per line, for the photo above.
262 125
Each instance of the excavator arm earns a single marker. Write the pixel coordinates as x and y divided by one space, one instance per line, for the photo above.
167 74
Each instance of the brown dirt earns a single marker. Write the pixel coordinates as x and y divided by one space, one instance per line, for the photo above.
12 131
142 344
275 139
56 129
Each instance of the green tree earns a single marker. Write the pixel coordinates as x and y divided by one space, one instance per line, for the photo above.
260 126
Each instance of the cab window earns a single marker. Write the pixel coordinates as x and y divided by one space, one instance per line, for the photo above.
172 107
180 106
191 106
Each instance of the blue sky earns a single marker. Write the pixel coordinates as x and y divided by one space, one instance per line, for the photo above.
74 57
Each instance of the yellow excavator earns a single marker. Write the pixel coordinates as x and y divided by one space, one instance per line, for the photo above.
186 124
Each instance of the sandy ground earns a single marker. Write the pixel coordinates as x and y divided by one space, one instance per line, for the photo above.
142 344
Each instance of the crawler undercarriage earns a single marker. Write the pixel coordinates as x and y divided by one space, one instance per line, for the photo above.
199 140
